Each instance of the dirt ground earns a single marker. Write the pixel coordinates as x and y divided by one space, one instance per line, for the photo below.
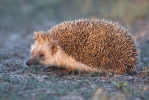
18 82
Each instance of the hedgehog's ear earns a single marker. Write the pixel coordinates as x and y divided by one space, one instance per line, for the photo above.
53 47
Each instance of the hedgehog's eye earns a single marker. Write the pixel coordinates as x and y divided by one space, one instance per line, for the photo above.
41 55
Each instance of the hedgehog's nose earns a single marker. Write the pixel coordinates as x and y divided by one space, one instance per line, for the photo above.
28 63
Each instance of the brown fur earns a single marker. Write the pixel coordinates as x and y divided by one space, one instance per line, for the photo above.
91 45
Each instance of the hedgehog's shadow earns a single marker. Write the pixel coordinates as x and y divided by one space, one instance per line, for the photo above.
60 71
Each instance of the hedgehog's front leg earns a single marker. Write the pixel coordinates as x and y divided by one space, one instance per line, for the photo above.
48 68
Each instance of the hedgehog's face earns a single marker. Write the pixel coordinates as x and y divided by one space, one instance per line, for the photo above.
42 54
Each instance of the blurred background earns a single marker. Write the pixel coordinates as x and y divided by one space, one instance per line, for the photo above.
20 18
26 14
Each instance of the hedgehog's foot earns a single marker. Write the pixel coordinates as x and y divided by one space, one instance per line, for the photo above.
49 68
69 69
65 71
59 69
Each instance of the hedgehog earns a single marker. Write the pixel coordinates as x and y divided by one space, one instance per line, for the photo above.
90 45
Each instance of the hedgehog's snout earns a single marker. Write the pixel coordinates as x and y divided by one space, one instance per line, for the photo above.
32 61
28 63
